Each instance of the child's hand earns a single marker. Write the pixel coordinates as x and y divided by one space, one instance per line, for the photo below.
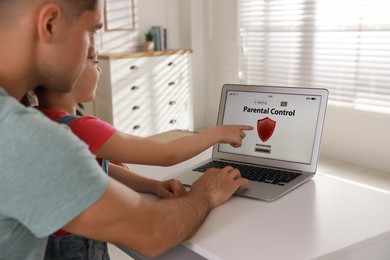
233 134
170 189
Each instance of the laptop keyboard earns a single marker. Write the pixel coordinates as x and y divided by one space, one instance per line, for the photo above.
255 173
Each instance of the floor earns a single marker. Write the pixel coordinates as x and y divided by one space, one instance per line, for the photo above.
335 169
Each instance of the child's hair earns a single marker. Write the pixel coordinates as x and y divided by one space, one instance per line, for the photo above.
31 99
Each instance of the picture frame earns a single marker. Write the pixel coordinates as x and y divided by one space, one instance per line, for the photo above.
119 15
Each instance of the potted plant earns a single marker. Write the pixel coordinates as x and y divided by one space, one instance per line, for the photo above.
149 44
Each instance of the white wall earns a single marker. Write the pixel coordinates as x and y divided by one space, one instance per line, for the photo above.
357 137
214 40
171 14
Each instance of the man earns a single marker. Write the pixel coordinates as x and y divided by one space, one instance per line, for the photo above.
44 167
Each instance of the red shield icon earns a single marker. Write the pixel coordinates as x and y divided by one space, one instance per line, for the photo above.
265 128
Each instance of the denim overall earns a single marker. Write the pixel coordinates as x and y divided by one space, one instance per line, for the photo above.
72 246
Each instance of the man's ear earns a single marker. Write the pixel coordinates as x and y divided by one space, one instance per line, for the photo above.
48 21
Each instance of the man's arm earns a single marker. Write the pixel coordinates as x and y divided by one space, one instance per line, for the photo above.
122 216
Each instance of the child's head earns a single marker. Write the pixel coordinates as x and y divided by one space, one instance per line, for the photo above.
85 86
83 91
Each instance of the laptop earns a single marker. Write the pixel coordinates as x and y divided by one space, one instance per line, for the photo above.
282 151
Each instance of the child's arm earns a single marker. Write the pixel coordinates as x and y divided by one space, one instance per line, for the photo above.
165 189
131 149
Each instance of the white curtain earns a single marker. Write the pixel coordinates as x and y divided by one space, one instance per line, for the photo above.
341 45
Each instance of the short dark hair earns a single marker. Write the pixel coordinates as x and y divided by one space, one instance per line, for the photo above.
77 7
74 8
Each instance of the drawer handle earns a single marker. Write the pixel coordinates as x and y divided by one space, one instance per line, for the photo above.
173 121
171 103
134 88
136 127
136 107
171 64
171 83
134 67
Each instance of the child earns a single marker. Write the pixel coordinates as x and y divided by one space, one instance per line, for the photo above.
108 143
122 147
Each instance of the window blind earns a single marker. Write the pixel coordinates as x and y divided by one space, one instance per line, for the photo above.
341 45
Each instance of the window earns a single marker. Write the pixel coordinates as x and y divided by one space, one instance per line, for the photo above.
341 45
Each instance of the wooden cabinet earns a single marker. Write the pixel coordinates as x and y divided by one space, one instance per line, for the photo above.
145 93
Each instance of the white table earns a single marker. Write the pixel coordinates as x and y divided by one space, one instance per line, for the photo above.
325 218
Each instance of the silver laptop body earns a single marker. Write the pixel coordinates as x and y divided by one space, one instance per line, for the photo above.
288 124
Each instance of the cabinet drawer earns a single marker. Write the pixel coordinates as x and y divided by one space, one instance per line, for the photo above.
168 104
131 90
125 109
152 86
121 69
174 122
129 68
134 118
171 65
173 115
170 86
153 118
136 126
141 126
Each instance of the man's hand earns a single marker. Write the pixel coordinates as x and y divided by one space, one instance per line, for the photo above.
218 185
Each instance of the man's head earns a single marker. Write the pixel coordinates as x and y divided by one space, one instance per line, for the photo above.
46 42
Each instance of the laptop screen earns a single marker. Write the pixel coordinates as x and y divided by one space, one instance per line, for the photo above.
284 124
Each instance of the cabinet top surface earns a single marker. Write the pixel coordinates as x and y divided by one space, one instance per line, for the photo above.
124 55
